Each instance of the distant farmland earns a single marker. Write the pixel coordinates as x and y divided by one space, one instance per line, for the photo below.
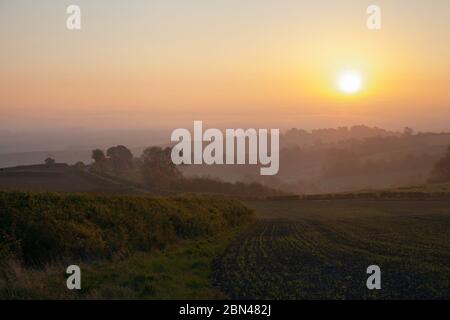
60 177
312 249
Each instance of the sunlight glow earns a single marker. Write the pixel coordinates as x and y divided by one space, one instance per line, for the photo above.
350 82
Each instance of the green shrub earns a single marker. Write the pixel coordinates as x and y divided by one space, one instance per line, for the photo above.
40 227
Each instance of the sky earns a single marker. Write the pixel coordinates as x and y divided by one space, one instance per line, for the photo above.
253 63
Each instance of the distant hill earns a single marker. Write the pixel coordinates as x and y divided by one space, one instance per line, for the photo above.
63 156
62 177
321 161
30 158
318 162
58 177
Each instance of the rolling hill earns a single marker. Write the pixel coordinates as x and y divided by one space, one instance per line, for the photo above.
59 177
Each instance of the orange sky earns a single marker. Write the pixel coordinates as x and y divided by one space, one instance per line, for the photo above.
142 64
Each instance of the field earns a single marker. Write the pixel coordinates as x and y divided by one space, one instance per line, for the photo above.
207 247
58 178
306 249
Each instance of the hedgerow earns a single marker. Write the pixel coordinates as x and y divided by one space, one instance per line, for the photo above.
40 227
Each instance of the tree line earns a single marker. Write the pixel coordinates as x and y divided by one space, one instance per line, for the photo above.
155 170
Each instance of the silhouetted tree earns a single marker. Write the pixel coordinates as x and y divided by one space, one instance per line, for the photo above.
98 155
120 157
441 170
158 169
50 161
79 165
408 131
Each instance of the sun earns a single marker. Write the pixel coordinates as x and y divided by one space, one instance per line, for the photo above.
350 82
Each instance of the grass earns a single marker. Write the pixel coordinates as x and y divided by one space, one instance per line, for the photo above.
127 246
419 192
430 188
182 271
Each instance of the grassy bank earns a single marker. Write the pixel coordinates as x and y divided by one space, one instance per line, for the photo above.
119 241
180 271
37 228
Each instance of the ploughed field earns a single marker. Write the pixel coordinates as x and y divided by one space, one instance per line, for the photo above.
306 249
